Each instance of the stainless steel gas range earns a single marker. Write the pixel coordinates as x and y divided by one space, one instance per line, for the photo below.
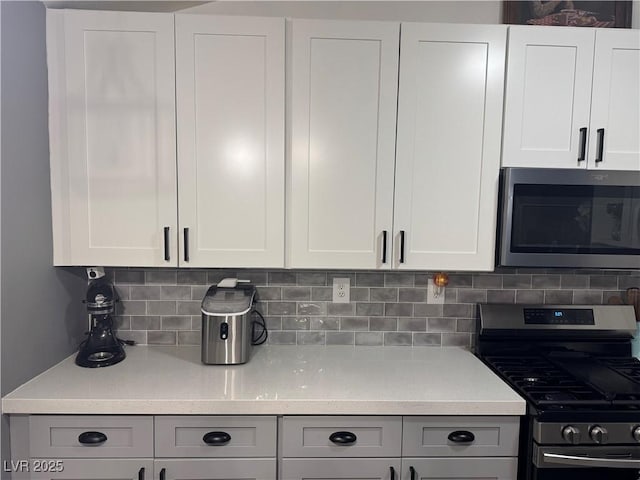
574 367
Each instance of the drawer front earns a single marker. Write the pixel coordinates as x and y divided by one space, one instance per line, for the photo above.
459 468
62 436
340 468
184 436
341 436
460 436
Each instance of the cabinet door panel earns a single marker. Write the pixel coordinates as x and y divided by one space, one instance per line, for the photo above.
548 94
447 165
344 85
498 468
340 468
616 100
112 102
230 104
95 469
222 469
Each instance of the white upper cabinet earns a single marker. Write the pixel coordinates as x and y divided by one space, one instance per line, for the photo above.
448 146
112 137
230 116
343 77
572 98
614 134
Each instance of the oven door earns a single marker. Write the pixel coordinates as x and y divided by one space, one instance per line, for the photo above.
586 463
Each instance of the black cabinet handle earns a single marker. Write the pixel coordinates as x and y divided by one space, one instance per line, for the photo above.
392 473
583 144
412 471
163 474
186 244
461 436
141 474
401 246
166 244
216 438
343 438
92 438
384 246
600 132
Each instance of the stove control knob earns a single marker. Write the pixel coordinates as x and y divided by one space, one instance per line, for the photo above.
599 434
636 434
571 434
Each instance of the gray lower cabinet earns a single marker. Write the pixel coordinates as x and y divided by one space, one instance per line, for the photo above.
216 469
459 468
91 469
340 468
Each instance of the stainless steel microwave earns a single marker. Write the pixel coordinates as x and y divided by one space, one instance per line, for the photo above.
569 218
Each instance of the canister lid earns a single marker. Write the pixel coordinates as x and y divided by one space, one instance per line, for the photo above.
228 301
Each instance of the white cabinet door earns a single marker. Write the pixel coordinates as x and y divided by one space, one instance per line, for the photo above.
614 136
343 111
230 111
218 469
112 137
477 468
448 148
340 468
548 96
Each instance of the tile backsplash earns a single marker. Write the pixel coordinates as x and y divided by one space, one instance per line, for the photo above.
162 306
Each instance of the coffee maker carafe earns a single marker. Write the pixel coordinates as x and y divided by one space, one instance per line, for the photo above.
101 348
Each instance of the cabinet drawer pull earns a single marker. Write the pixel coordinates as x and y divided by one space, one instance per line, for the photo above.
461 436
216 438
141 474
583 144
384 246
401 246
600 132
92 438
392 473
166 244
163 474
343 438
186 244
412 471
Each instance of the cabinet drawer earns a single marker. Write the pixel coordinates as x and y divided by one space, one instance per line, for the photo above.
184 436
341 436
445 436
460 468
61 436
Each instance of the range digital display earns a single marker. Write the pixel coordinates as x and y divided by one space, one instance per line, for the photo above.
558 316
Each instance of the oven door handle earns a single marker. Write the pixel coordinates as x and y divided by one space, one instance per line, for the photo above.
580 461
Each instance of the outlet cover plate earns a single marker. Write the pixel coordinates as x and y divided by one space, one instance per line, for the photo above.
341 290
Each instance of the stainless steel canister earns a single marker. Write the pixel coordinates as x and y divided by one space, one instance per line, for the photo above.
227 324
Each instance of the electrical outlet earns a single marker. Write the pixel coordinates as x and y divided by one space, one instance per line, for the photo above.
341 290
435 294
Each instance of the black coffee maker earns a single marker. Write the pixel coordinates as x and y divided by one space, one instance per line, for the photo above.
102 348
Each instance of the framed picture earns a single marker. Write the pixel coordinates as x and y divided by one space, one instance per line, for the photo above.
568 13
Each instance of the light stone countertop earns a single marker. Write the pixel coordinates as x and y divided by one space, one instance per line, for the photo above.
278 380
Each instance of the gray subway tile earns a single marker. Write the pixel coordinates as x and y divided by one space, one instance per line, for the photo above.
558 297
574 281
310 338
214 276
427 310
603 282
397 338
161 337
164 277
122 322
176 323
487 281
316 308
198 292
132 277
281 308
161 307
294 323
138 336
415 295
282 278
325 323
369 338
269 293
354 324
133 307
369 279
613 296
628 281
471 295
196 322
456 339
451 295
321 294
422 279
282 338
501 296
256 278
460 280
188 308
296 293
427 339
398 309
273 323
312 278
191 277
529 296
397 279
145 292
359 294
340 338
383 324
516 281
341 308
189 337
175 292
439 324
466 325
148 322
461 310
412 324
123 292
387 294
587 297
545 281
369 309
